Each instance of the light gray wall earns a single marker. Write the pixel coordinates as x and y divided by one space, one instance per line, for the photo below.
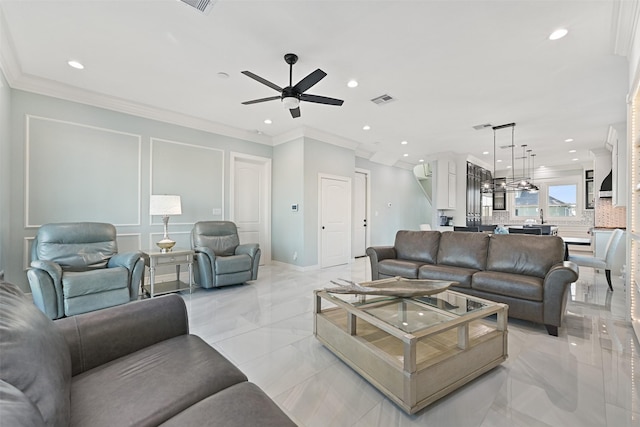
296 168
61 160
321 158
398 187
287 227
5 182
71 162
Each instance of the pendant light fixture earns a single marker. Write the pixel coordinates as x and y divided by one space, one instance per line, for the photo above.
515 183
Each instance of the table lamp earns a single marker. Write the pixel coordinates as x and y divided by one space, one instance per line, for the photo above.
165 205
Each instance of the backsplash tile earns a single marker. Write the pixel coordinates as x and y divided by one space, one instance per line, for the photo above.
609 216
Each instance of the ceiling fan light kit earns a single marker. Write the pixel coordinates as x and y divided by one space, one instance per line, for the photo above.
292 95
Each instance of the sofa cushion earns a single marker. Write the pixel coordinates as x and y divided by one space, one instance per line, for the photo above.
35 356
462 249
446 272
16 410
419 246
524 254
399 267
147 387
240 405
509 284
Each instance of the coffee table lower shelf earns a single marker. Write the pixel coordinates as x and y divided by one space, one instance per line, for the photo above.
440 365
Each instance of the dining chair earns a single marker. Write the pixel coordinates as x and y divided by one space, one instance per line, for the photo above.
606 261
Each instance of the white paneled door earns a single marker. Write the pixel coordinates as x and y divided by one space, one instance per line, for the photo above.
250 204
335 220
360 210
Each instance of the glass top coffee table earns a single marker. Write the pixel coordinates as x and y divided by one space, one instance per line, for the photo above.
414 350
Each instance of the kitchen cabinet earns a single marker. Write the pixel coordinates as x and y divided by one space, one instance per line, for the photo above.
478 203
445 184
589 190
499 196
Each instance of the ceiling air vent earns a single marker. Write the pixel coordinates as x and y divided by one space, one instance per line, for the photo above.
203 6
383 99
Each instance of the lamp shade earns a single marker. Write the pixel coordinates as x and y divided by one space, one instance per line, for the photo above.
165 205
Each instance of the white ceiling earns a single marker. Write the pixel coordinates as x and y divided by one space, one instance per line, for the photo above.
450 65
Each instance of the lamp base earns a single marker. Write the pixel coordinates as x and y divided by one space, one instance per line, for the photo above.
165 245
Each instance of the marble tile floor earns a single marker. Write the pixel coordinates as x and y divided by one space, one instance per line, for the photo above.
587 376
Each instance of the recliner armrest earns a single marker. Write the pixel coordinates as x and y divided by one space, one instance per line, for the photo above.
53 269
127 260
248 249
206 251
101 336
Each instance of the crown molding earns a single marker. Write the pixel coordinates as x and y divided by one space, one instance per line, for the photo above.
8 63
70 93
307 132
626 15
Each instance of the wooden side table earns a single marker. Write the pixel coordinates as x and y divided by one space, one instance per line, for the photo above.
154 259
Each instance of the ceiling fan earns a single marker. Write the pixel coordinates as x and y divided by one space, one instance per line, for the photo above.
292 95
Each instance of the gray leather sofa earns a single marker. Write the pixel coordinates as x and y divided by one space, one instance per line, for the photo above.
134 364
526 272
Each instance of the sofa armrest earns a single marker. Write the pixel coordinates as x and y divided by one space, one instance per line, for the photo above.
377 254
101 336
556 286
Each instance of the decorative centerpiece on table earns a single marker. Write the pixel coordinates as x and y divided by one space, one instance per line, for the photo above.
394 286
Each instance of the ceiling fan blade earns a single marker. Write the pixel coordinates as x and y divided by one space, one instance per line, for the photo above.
321 99
295 112
255 101
309 81
263 81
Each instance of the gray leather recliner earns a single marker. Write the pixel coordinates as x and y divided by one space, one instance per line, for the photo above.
76 268
220 258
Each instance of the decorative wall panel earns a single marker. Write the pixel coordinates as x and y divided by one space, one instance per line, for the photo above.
76 172
193 172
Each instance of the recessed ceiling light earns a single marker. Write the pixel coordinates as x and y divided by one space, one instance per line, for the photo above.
558 34
508 166
485 152
498 161
421 160
352 83
568 140
404 142
267 121
366 127
575 160
405 155
76 64
572 151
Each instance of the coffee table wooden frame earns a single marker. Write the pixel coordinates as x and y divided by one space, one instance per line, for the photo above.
413 369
